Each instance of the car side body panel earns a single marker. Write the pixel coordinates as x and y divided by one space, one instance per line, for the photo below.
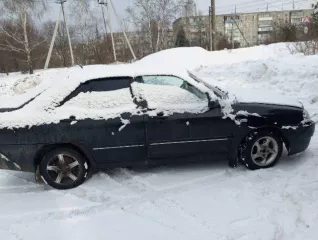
142 139
21 146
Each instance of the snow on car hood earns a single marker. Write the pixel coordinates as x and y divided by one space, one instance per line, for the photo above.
246 95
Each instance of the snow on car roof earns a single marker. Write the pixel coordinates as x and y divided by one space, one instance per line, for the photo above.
74 76
56 84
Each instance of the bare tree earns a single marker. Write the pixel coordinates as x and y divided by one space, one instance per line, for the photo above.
15 28
153 18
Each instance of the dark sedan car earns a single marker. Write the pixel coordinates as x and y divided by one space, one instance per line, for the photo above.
98 118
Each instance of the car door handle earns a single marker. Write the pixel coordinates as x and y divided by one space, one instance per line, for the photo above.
71 119
160 116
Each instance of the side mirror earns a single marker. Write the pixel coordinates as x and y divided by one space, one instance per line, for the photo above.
212 104
70 119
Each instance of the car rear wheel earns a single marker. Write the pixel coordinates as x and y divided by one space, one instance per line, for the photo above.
63 168
261 149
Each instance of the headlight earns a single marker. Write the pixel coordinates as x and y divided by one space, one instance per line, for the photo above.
306 115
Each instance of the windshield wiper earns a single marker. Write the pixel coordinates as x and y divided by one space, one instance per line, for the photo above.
218 91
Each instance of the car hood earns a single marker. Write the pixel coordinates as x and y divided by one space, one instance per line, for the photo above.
245 95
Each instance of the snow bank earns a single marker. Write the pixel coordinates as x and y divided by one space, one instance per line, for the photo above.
192 57
268 79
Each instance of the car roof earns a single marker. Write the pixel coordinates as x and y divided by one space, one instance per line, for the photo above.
56 84
59 79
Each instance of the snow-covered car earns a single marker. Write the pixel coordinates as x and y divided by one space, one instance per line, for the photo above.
101 117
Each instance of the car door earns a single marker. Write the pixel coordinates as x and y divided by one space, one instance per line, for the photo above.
180 124
102 117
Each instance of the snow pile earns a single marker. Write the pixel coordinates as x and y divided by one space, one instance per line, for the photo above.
192 57
268 79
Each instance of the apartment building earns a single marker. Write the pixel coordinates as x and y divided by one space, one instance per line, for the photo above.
243 28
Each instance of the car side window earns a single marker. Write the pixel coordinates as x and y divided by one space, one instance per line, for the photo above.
101 94
163 80
169 93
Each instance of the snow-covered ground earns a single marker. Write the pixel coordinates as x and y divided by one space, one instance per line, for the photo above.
201 201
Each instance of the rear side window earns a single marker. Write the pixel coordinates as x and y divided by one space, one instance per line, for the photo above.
104 85
102 94
100 85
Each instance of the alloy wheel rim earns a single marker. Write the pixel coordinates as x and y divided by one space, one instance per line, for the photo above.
63 169
264 151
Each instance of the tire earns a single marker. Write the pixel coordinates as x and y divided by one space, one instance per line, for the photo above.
261 149
63 168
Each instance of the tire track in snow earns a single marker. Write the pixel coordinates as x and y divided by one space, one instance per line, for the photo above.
10 231
175 206
21 189
171 209
150 195
130 180
161 223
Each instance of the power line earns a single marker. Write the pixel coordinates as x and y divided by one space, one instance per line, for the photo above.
250 5
255 8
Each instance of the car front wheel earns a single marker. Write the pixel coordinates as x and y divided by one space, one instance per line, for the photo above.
261 149
63 168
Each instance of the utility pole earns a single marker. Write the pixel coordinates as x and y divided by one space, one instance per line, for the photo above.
105 24
47 62
55 33
103 4
293 4
68 33
267 8
232 41
241 33
213 25
122 28
210 29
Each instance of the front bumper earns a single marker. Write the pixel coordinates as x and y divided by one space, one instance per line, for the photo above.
299 139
